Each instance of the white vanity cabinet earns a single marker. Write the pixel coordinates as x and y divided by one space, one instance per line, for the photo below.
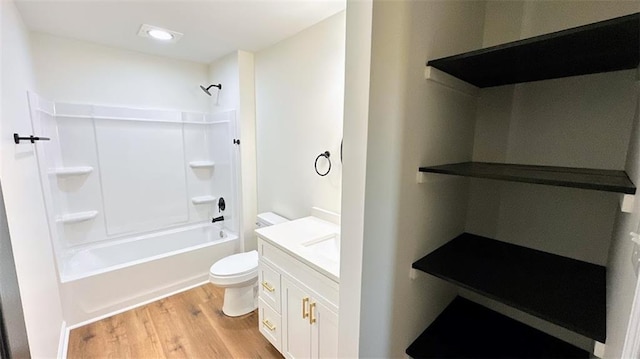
298 305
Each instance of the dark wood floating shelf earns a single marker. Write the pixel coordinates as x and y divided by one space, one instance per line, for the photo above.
468 330
604 46
601 180
561 290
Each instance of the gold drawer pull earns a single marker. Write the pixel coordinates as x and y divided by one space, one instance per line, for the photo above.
268 324
268 287
305 302
312 318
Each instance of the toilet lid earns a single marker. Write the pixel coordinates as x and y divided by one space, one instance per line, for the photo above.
236 264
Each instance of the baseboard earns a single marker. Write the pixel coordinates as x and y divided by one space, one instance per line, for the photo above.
631 345
122 310
63 344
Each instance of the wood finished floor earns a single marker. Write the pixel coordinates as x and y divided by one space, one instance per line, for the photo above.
185 325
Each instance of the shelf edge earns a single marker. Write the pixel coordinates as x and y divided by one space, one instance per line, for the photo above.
440 77
202 164
203 199
614 188
77 217
71 171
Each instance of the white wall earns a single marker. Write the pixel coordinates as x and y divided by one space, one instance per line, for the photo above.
412 122
224 71
236 74
299 111
33 254
356 119
622 282
11 304
80 72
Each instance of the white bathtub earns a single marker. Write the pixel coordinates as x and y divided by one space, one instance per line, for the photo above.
106 279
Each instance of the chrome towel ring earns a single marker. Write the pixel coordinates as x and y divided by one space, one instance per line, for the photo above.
326 155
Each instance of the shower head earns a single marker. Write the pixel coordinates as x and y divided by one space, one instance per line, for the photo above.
206 90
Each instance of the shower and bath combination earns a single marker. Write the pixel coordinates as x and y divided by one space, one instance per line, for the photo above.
206 89
97 212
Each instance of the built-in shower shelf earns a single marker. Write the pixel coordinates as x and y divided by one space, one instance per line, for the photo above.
72 171
203 199
77 217
201 164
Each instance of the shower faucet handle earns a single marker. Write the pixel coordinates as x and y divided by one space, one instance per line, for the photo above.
217 219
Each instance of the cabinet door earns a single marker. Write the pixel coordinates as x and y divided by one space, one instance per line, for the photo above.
297 331
324 331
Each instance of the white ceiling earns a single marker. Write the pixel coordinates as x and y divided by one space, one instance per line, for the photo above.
211 28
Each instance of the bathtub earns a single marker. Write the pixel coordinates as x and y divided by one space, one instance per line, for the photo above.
102 280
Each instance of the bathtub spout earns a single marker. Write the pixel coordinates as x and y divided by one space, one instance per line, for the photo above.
217 219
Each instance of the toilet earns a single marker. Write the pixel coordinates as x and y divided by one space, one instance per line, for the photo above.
238 275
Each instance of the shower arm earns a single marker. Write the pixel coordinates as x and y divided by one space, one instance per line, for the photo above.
219 86
206 90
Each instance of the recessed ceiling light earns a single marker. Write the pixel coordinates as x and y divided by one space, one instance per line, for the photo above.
159 33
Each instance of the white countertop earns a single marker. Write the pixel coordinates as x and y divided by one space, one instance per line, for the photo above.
311 240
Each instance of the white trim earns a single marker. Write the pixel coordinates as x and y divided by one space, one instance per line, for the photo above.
446 80
631 347
133 306
599 349
63 344
626 202
114 118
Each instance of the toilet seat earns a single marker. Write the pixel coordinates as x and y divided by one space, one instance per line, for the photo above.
235 269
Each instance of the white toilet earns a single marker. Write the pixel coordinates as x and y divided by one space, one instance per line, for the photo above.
238 274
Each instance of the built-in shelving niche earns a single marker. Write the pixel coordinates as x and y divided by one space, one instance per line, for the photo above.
561 290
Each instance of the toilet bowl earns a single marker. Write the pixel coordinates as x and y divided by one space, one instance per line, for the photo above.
238 274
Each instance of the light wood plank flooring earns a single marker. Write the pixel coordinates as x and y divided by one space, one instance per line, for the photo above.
185 325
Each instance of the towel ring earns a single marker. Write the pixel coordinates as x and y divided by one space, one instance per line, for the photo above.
326 155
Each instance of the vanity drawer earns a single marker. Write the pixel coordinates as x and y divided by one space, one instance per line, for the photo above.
270 324
269 285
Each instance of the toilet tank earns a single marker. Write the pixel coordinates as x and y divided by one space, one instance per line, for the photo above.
269 219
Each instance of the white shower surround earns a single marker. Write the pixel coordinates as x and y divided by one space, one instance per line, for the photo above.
120 191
